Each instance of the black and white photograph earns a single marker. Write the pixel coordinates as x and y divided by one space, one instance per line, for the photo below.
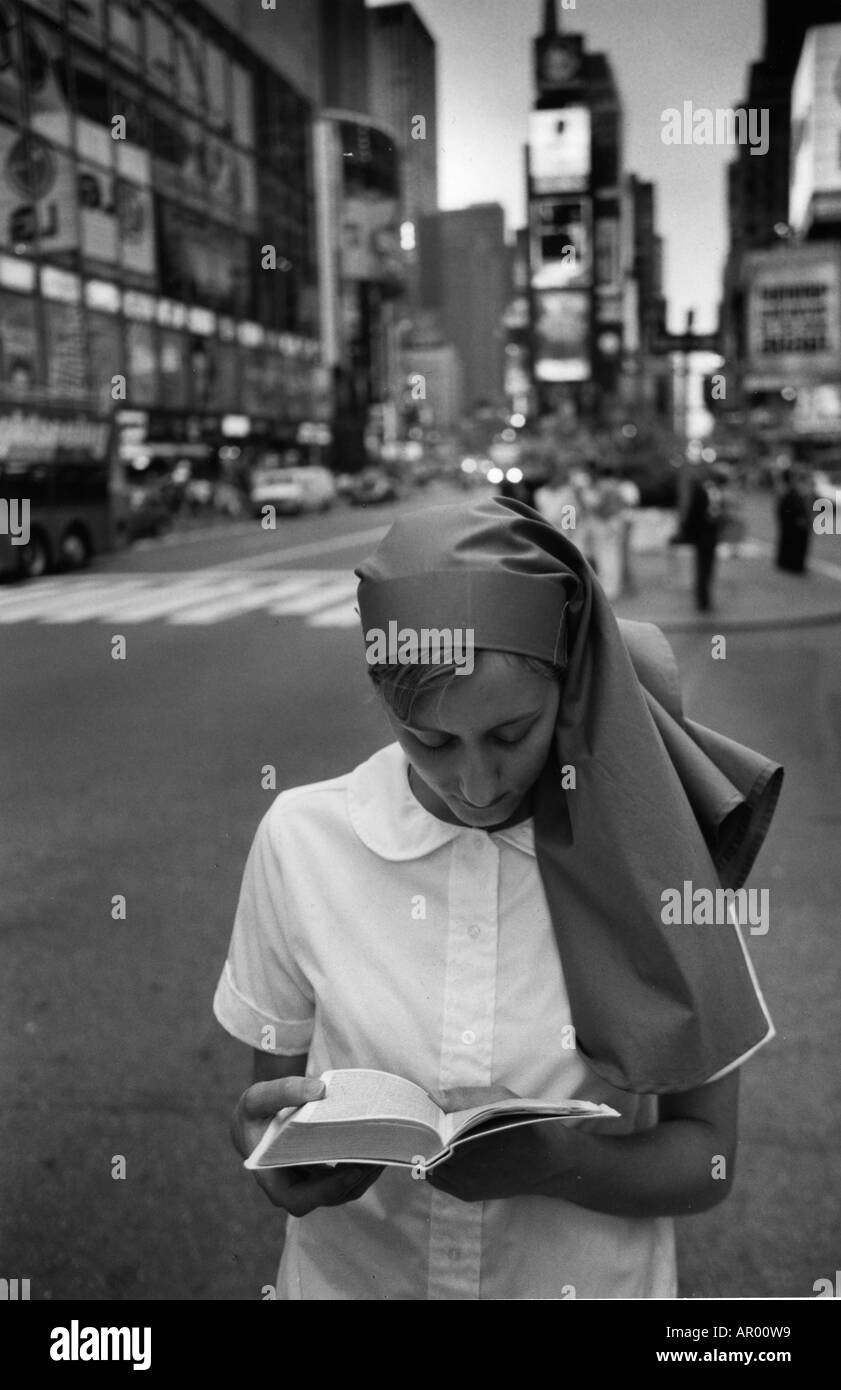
420 665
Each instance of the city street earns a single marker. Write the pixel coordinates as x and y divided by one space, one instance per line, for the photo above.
142 778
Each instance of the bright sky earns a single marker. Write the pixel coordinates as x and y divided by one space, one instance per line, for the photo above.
663 52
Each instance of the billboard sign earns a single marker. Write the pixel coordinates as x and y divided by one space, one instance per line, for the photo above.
815 190
561 243
559 150
794 313
562 335
818 410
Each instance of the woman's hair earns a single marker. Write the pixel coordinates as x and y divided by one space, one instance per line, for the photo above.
402 685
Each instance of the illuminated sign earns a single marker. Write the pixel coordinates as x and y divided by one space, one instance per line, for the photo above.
562 335
794 312
559 150
561 243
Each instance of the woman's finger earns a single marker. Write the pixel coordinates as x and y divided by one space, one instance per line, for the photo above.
263 1100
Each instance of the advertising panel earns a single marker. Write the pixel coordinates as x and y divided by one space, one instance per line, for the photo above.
818 410
141 364
37 193
561 243
815 191
559 150
561 337
608 256
98 212
370 239
66 355
173 369
105 346
48 100
794 315
19 367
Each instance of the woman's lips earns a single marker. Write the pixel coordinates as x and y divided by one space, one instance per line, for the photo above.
490 806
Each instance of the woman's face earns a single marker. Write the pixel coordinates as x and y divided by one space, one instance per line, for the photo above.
478 745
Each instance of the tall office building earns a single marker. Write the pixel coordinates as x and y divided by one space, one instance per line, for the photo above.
575 216
464 277
758 187
404 94
344 55
143 258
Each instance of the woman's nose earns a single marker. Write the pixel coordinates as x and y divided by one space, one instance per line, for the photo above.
479 783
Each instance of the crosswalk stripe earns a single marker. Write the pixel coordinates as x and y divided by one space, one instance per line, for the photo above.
322 598
219 608
163 602
314 601
341 615
46 606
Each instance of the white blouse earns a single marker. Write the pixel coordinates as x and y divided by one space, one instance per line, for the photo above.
371 934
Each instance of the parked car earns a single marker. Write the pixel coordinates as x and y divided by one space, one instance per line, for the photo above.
278 488
371 487
292 490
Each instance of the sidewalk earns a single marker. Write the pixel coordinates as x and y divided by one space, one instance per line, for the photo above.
748 591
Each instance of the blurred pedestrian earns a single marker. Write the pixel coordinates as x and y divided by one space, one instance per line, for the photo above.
794 521
631 498
558 502
702 529
608 507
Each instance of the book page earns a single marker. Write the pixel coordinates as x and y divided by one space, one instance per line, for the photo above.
359 1094
507 1113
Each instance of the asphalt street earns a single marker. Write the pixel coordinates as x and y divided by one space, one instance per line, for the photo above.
142 778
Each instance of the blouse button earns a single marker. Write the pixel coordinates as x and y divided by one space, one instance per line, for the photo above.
468 1036
473 932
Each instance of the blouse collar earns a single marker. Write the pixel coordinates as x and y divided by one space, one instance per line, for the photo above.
389 819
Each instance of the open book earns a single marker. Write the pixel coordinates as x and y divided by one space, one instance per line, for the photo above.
374 1117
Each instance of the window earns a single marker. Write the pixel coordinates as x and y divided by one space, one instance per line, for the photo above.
89 87
47 78
124 31
190 67
86 20
106 356
11 63
160 54
243 106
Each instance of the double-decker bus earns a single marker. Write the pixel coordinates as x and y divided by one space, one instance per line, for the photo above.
58 472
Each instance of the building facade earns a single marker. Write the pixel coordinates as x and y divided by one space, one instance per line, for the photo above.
464 278
780 314
157 221
403 89
577 213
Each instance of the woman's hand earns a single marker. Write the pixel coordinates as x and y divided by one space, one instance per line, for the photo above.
297 1190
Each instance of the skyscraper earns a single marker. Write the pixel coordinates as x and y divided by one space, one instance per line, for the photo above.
575 214
402 67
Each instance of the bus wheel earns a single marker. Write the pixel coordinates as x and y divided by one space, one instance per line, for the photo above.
34 557
75 551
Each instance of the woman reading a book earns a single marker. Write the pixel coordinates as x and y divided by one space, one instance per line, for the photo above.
479 908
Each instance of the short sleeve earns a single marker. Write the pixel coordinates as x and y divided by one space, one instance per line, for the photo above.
263 998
